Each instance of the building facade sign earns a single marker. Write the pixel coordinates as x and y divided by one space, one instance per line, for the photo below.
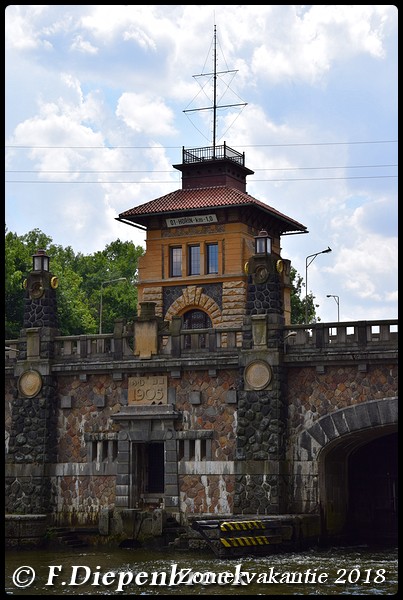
196 220
147 390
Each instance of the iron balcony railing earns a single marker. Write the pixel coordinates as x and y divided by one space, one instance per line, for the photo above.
195 155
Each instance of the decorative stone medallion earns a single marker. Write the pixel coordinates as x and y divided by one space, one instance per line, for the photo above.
261 274
30 383
258 374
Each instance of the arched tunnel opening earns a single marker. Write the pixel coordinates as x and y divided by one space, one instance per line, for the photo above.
359 488
373 491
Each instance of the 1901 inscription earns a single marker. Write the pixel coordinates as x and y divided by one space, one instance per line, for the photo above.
147 390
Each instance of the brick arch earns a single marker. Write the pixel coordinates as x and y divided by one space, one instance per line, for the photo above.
353 419
194 298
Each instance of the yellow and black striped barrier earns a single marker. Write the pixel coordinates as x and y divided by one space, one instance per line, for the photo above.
243 536
241 525
236 542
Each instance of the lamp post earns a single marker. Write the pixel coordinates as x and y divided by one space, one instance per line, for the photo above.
263 243
337 300
40 261
312 257
100 304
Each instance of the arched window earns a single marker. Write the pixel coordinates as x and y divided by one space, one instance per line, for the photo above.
196 319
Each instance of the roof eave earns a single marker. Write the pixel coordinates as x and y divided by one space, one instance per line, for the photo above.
292 226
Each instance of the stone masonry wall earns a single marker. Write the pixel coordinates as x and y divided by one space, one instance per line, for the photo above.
31 445
207 494
312 394
86 408
85 477
211 488
10 393
80 499
83 482
261 449
228 310
41 312
265 298
235 476
213 412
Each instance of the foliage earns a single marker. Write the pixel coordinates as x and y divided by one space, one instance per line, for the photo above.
298 304
81 279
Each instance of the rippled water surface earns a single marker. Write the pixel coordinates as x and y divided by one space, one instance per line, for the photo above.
334 571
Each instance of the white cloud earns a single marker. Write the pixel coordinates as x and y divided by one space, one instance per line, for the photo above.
99 92
145 113
81 45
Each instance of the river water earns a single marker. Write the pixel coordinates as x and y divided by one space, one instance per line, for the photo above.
358 570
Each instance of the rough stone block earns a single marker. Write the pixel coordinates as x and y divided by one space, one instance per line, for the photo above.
66 402
99 401
231 397
195 397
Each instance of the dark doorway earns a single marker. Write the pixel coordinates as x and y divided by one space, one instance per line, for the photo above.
156 468
148 471
373 493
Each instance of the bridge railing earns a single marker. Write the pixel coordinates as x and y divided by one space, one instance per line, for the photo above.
225 340
198 341
347 334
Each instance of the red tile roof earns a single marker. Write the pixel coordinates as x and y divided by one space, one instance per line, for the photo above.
204 198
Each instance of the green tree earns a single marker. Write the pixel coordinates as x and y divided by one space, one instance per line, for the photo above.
298 304
80 281
101 270
18 262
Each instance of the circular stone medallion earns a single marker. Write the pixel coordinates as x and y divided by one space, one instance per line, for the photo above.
30 383
258 374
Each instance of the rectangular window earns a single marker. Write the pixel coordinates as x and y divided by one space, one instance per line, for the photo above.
176 262
212 258
194 260
103 451
198 449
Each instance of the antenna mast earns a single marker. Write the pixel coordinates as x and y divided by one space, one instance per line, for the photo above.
214 107
215 90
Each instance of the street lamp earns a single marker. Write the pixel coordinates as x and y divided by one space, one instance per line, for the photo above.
100 305
337 300
312 257
262 243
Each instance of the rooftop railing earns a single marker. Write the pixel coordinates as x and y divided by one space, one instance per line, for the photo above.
195 155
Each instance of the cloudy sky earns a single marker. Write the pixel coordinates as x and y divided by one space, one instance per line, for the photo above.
97 112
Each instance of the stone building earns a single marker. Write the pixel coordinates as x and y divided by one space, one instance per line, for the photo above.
213 263
211 404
